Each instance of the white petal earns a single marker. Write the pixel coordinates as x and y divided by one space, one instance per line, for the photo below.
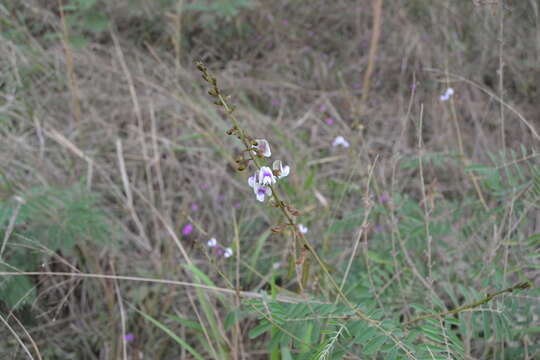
338 141
260 197
260 194
285 171
303 229
228 253
264 147
252 180
212 242
266 177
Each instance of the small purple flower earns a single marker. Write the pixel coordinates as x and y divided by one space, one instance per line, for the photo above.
194 207
322 108
227 253
221 197
340 141
261 192
129 337
252 180
329 121
187 229
263 147
384 198
237 205
378 228
449 92
266 176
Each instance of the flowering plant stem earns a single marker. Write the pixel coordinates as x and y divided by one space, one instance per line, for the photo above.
222 101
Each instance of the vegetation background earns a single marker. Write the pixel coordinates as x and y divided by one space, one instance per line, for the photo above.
116 171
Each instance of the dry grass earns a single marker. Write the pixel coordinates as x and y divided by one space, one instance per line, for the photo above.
129 117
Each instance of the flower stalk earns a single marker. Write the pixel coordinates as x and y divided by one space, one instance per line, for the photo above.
256 150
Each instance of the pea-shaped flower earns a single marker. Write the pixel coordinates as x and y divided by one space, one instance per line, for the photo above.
263 147
227 253
266 176
340 141
261 191
279 170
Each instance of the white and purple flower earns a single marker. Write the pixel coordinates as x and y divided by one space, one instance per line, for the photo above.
228 252
252 180
281 170
263 147
303 229
340 141
266 176
261 191
448 93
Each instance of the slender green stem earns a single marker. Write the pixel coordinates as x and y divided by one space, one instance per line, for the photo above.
485 300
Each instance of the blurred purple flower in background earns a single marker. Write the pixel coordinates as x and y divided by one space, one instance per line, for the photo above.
384 198
129 337
194 207
329 121
187 229
322 108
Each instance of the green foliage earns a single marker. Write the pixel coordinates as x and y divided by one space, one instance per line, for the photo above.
213 10
329 331
49 220
83 18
